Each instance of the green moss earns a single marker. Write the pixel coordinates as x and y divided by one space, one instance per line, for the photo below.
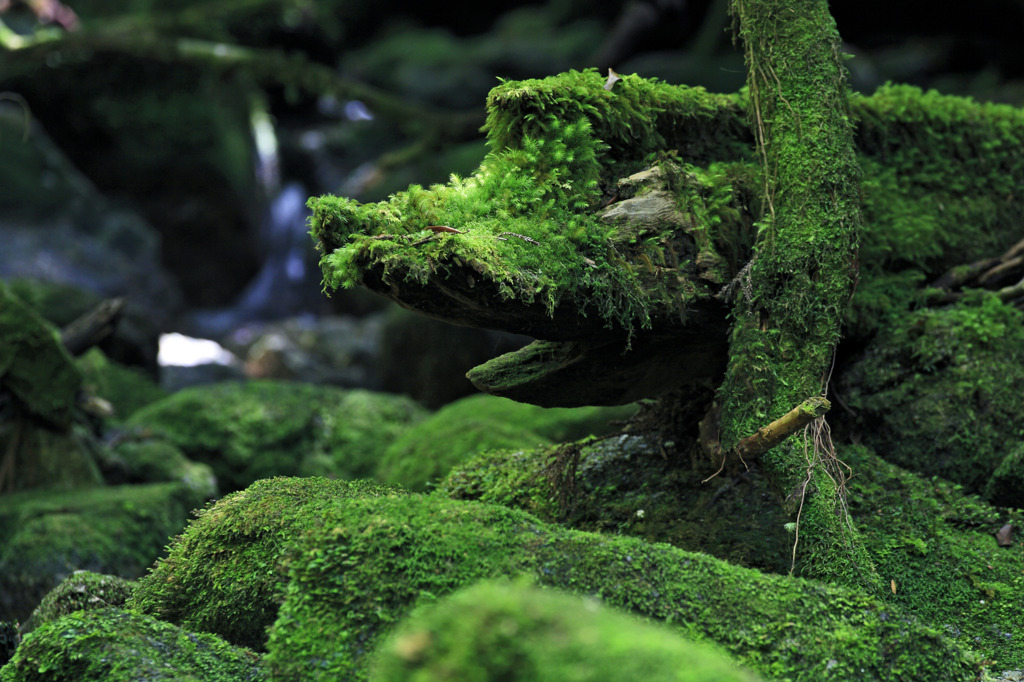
426 452
120 530
355 574
628 486
1005 487
938 391
222 575
555 144
80 591
934 541
111 645
126 388
248 431
152 461
516 632
34 367
938 546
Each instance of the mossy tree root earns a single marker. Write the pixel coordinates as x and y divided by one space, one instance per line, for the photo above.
789 310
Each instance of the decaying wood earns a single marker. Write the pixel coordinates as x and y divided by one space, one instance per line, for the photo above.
92 327
767 437
989 273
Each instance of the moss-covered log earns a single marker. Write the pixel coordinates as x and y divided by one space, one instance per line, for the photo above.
536 253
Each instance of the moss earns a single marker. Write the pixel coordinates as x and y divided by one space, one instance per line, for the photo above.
80 591
628 486
934 541
248 431
120 530
938 391
34 367
355 574
222 575
125 388
555 144
153 461
117 646
936 544
497 630
427 451
1005 487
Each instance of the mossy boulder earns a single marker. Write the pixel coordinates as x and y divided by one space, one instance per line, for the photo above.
367 562
251 430
926 535
427 451
112 645
80 591
126 388
938 391
46 536
635 484
34 367
151 460
518 633
223 573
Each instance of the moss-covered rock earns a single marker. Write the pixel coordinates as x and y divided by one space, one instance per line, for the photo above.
34 367
635 484
223 573
154 461
1005 487
367 562
111 645
937 546
427 451
125 388
515 632
934 541
253 430
938 391
119 530
80 591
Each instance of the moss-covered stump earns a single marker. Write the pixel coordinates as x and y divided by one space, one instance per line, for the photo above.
934 541
223 573
518 633
253 430
938 391
360 569
119 530
80 591
427 451
111 645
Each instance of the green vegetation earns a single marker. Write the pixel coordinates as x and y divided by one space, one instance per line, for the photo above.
366 563
80 591
247 431
938 391
525 219
223 573
540 635
125 388
427 451
118 530
927 535
111 645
